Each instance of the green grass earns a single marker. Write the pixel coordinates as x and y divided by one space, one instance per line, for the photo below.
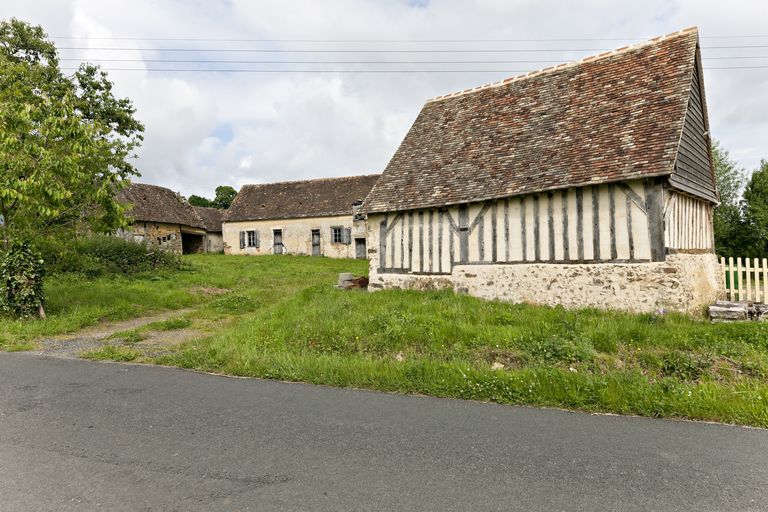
130 336
280 317
111 353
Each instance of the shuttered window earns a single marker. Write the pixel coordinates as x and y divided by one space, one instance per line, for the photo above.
253 238
337 235
242 239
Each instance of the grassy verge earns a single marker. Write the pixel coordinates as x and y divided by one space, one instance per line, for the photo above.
441 344
222 285
279 317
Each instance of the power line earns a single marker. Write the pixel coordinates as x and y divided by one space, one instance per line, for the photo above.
216 61
361 71
458 50
417 41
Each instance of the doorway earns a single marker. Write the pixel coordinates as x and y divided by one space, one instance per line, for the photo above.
278 241
315 242
192 243
360 248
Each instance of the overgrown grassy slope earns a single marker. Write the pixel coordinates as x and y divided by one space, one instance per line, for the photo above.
281 318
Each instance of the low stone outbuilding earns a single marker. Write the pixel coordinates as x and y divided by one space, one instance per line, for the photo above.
212 219
163 219
585 184
319 217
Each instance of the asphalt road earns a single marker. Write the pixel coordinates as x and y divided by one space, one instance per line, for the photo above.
77 435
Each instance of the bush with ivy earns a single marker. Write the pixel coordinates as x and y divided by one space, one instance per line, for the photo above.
21 281
101 255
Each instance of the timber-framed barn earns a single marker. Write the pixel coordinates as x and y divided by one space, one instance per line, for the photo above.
586 184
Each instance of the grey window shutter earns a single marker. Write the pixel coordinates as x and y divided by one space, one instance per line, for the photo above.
256 236
347 236
242 239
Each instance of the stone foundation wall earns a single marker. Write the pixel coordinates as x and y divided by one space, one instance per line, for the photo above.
687 283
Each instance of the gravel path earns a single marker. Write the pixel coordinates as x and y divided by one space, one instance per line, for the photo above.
70 346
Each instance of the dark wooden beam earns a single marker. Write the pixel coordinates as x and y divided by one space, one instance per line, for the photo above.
494 224
383 243
596 222
612 213
566 242
580 223
654 206
421 240
632 195
440 241
463 233
431 241
523 228
481 238
629 228
506 229
551 225
410 240
536 239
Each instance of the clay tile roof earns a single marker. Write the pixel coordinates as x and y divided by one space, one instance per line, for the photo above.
151 203
607 118
211 217
294 199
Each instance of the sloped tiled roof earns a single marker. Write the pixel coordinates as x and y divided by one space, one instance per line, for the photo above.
611 117
152 203
211 217
323 197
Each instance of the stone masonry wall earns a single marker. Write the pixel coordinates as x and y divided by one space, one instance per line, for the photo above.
684 282
156 235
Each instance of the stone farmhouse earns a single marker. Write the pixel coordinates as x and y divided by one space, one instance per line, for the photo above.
319 217
585 184
164 220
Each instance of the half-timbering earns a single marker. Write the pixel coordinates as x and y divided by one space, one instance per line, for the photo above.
318 217
587 184
164 220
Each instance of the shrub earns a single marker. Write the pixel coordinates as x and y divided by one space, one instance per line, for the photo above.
100 255
21 279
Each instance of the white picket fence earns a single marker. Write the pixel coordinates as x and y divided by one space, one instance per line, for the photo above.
746 279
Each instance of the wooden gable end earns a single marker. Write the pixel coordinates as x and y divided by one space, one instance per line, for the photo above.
694 172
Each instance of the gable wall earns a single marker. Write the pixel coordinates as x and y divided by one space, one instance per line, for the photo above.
693 169
688 222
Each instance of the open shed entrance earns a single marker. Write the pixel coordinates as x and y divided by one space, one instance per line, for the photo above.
192 243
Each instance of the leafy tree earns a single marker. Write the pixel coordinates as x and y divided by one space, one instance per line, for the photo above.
65 141
224 196
755 207
200 201
728 225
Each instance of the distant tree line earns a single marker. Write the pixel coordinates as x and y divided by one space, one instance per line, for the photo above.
224 197
741 219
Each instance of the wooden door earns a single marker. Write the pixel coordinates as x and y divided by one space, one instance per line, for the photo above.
360 248
315 242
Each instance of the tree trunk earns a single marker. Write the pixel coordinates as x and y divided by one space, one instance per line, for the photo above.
41 312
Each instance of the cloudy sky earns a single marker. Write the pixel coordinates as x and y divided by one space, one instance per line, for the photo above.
208 128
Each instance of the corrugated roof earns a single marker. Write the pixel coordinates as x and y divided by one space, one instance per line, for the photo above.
323 197
152 203
612 117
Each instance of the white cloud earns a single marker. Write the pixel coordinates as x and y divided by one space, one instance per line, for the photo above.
207 129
